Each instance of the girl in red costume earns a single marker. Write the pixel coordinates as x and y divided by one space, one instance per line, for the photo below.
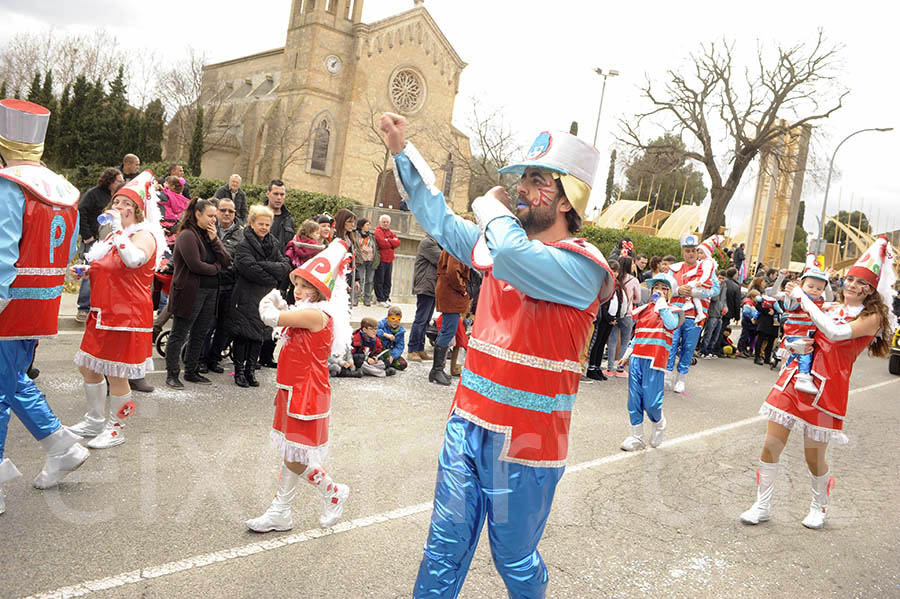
315 327
117 337
844 332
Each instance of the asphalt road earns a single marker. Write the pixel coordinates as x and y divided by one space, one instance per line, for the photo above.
162 515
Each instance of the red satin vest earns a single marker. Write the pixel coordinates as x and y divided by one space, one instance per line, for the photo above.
303 372
122 296
49 223
652 339
684 276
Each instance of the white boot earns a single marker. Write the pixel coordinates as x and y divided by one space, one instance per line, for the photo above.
64 454
8 471
634 441
821 490
334 496
670 378
804 384
120 408
278 516
657 431
678 387
760 511
94 419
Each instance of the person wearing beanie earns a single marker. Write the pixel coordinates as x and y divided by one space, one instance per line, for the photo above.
506 439
34 253
314 328
843 332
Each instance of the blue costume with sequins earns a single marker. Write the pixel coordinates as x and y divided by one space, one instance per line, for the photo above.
492 464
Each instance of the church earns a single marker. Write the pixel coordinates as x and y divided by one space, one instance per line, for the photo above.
307 112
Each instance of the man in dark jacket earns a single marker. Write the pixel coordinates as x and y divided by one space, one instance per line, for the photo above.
92 203
232 190
738 257
130 167
424 280
231 233
732 298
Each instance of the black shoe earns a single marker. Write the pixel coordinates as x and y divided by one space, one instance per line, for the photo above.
356 373
437 374
173 382
390 371
595 375
758 362
239 379
215 367
202 369
250 375
269 363
141 385
196 377
257 366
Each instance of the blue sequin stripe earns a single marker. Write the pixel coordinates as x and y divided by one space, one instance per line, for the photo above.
803 322
36 293
650 341
516 397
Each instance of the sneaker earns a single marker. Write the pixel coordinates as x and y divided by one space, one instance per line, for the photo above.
196 377
334 506
620 373
82 316
608 373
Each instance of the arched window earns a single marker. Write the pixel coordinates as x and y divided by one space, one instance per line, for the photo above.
321 140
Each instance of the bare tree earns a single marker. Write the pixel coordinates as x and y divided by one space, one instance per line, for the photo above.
799 85
287 134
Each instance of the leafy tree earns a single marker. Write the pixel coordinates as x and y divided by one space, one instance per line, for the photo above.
196 154
663 166
610 180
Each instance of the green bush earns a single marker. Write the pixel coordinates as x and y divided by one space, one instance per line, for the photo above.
606 240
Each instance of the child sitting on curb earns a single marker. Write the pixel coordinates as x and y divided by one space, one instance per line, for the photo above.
368 355
343 366
393 338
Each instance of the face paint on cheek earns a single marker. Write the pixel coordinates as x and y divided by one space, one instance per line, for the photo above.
545 192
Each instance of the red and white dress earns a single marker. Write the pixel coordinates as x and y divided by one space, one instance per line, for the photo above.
303 398
118 336
821 416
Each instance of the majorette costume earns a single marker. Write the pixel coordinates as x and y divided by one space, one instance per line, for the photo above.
820 416
38 232
303 396
117 338
649 351
703 283
506 440
799 326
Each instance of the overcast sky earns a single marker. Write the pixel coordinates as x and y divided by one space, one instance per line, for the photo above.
535 59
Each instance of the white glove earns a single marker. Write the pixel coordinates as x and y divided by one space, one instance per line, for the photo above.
276 299
661 304
131 255
269 314
823 322
797 292
490 206
800 345
116 222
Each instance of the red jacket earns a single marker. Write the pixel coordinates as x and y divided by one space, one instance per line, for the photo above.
387 243
359 348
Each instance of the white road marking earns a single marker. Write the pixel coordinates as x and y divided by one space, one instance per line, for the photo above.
216 557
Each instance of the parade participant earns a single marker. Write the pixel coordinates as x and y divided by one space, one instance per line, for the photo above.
506 440
798 325
117 342
34 253
688 274
843 332
649 351
315 327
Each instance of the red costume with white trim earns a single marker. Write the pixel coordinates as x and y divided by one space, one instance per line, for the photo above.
693 276
48 225
507 353
118 335
303 400
648 325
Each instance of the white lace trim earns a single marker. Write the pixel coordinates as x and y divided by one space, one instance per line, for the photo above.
820 434
114 369
295 452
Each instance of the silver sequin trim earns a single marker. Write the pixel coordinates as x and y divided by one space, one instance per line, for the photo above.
524 359
44 272
506 431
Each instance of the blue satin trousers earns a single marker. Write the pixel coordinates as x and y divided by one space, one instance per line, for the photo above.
474 484
646 388
19 394
684 342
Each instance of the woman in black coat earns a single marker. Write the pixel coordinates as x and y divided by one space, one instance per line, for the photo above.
259 266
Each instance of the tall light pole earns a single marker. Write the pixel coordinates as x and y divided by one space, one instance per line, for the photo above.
607 74
821 239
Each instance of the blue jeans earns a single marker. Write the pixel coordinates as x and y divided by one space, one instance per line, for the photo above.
449 324
84 291
424 311
474 484
711 333
622 329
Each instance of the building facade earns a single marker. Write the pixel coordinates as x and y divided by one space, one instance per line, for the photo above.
307 112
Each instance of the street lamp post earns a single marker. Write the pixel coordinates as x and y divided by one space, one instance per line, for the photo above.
821 239
607 74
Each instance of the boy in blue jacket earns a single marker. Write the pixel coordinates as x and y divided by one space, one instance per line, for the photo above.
393 337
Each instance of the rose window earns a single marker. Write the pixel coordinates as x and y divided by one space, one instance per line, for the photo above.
407 91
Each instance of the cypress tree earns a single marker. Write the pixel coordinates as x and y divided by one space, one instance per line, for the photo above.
3 89
34 92
196 153
51 143
152 127
610 179
119 141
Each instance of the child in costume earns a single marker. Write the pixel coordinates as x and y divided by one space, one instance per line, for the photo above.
649 350
749 314
393 337
315 327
